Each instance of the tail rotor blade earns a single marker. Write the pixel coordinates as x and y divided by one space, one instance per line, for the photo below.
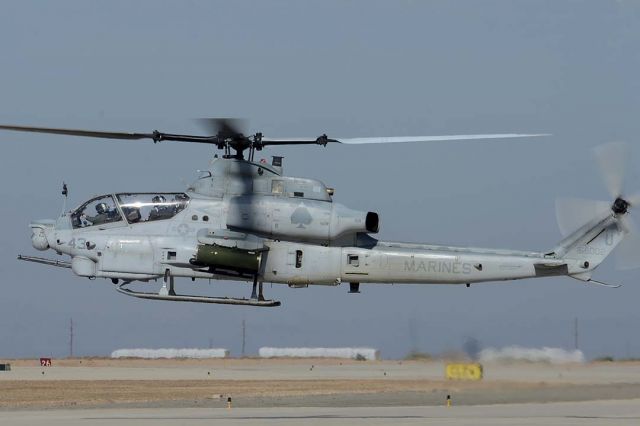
572 213
633 199
628 251
627 225
612 159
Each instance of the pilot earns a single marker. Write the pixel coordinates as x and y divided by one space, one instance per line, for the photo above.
132 213
180 198
160 209
180 202
103 216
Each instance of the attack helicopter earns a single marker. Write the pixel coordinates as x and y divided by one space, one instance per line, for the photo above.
245 220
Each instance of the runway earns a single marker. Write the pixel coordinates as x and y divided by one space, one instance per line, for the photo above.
98 391
573 413
312 369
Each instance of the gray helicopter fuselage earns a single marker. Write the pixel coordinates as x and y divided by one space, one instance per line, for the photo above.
290 226
245 220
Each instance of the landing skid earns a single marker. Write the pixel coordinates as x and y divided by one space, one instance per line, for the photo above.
197 299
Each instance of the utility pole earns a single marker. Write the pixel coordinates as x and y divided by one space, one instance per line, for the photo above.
244 336
71 338
575 333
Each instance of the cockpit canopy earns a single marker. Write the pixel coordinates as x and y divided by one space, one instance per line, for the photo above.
134 207
147 207
97 211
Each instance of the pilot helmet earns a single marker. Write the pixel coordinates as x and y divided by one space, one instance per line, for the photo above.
102 208
159 199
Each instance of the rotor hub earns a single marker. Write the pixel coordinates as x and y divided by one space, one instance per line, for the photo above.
620 206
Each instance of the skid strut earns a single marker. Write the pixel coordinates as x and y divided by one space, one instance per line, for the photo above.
167 279
257 296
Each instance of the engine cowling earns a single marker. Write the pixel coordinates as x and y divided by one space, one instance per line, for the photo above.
298 219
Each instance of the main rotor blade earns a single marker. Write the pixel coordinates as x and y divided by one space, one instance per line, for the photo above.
404 139
76 132
612 160
572 213
223 128
323 140
155 135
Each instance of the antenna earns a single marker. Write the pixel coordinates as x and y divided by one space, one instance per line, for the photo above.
65 192
244 336
71 338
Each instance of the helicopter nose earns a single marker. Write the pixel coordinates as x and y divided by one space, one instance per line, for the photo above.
41 233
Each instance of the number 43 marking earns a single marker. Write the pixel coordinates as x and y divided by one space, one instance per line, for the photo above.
78 243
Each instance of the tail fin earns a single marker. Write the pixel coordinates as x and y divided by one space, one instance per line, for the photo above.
604 225
587 247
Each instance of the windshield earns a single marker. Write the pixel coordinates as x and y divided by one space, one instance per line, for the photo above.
147 207
97 211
